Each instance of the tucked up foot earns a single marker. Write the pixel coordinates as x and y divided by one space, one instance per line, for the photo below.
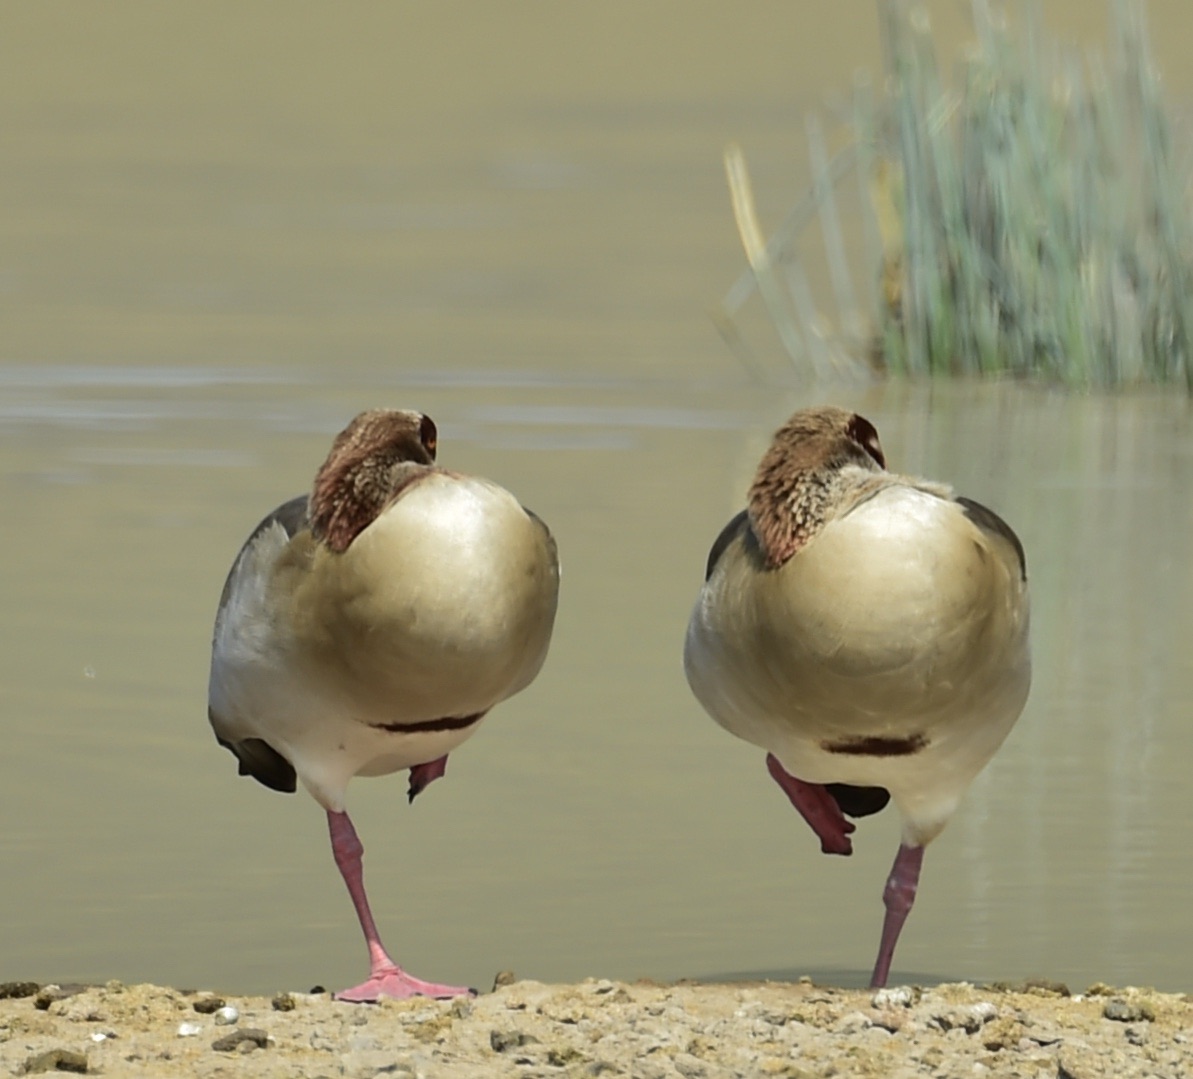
817 806
421 775
395 983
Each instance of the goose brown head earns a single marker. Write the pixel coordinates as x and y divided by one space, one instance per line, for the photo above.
378 454
799 481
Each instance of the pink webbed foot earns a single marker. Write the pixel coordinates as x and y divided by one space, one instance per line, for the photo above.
386 978
397 984
817 807
422 775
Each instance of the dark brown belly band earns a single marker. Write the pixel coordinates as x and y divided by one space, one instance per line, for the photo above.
431 726
876 746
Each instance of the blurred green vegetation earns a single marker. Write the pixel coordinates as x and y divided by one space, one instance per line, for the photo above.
1029 216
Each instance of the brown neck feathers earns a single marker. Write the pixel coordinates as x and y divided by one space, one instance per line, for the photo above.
376 456
802 480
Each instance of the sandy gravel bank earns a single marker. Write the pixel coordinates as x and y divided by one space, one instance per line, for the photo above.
602 1028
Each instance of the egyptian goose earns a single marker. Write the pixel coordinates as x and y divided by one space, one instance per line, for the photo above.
870 632
369 627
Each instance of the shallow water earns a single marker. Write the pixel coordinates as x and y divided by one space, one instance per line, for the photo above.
213 256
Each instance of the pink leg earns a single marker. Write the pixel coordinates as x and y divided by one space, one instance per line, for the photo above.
898 896
817 807
423 774
386 978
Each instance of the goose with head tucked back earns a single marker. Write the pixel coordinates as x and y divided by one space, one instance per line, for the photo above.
869 631
369 628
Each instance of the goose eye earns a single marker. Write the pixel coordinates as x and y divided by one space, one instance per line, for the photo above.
428 435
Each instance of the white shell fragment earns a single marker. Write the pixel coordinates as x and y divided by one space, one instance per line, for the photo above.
226 1015
896 996
188 1030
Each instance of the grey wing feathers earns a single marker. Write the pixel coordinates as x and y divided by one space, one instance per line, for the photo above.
728 534
551 544
257 758
292 516
989 521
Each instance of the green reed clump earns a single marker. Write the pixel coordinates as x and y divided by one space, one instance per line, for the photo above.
1032 216
1040 220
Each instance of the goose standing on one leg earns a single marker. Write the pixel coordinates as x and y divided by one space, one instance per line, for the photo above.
869 631
369 628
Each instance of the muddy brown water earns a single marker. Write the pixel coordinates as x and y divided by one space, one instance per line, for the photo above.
224 233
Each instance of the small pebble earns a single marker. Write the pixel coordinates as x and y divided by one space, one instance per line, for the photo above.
207 1005
892 1021
47 995
853 1023
502 1040
230 1043
188 1030
969 1017
322 1043
283 1002
651 1068
1046 987
57 1060
13 990
984 1010
461 1007
227 1015
504 977
1127 1011
690 1067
